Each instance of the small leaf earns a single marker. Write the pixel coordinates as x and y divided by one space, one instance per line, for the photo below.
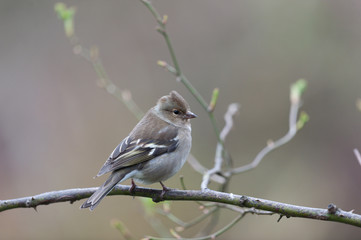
302 120
67 15
214 99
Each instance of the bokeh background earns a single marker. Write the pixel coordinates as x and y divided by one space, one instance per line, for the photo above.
57 127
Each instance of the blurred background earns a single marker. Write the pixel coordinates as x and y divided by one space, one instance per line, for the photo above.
57 127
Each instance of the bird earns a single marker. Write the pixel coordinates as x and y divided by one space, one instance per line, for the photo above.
154 151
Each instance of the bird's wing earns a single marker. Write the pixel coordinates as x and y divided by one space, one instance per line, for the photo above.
134 150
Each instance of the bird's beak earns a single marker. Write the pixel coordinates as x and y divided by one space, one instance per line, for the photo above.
189 115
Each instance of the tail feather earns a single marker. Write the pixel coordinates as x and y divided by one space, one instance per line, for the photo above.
102 191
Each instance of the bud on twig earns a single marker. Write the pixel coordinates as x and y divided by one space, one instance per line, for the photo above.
214 99
297 90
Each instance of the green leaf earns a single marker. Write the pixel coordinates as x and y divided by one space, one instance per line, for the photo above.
67 15
302 120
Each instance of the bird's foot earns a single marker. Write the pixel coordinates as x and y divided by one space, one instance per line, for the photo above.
165 189
132 188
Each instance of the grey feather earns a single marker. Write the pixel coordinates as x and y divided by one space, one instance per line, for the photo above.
102 191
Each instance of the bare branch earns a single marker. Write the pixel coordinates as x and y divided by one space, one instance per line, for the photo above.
358 155
233 109
72 195
92 56
228 117
184 225
295 105
197 166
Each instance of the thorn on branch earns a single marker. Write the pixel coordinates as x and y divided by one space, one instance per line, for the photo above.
279 219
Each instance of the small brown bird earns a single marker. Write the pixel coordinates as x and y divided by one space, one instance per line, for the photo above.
154 151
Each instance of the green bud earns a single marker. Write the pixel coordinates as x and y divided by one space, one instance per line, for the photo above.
214 99
302 120
297 90
67 16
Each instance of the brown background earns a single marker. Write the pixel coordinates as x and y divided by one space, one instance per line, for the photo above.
57 127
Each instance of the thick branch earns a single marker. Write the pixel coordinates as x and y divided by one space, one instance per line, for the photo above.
331 214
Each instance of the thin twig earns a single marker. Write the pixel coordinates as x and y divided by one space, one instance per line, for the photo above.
273 145
185 225
92 56
211 224
183 79
221 231
176 70
228 117
212 236
197 166
358 155
123 95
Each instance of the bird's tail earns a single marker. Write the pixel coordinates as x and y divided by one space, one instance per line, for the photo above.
102 191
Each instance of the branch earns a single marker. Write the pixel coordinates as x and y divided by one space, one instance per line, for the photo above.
222 230
92 56
357 155
161 28
228 117
295 97
333 213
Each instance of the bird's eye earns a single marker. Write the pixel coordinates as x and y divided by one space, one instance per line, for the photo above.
175 111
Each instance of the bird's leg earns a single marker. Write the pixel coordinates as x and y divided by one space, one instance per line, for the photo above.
165 189
132 188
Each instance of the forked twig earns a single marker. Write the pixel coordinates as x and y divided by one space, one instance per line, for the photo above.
228 117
